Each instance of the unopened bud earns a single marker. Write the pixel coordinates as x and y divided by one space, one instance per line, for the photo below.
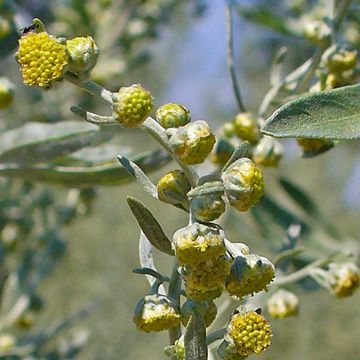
268 152
283 304
172 116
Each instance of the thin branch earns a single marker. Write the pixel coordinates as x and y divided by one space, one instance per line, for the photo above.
230 56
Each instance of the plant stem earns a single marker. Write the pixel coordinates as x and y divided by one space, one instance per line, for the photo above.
230 56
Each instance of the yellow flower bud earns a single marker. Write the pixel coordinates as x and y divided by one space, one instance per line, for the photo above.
244 184
268 152
82 54
338 58
172 115
6 93
156 313
206 201
198 243
245 127
283 304
193 142
249 274
42 59
344 278
318 32
313 147
132 106
248 333
7 342
173 187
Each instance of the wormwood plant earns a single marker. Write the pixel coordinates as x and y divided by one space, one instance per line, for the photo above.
320 108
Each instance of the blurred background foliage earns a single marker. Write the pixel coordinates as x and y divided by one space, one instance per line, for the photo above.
177 50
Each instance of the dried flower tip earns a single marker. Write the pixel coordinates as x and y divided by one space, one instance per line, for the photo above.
173 188
193 142
283 304
82 54
344 278
172 116
156 313
132 106
207 309
206 201
268 152
197 243
244 184
42 59
6 93
245 127
248 333
249 274
313 147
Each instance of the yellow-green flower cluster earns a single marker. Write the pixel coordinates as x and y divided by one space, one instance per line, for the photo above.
311 147
132 106
42 59
173 187
205 280
283 304
245 127
172 115
207 309
156 313
198 243
248 333
249 274
193 142
344 278
244 184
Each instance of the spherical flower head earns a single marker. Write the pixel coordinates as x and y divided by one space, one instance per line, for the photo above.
156 313
172 116
312 147
283 304
193 142
197 243
42 59
206 276
207 309
82 54
173 187
268 152
132 106
338 58
7 342
244 184
245 127
222 152
318 32
248 333
344 278
249 274
6 93
206 201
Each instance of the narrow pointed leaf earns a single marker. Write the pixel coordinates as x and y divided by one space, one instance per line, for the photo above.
111 174
242 151
195 338
333 114
139 175
40 143
150 226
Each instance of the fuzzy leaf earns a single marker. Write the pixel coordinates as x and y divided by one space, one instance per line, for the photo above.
110 174
195 338
139 175
40 143
333 114
150 226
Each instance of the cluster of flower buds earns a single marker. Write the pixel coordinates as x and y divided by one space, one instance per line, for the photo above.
44 59
248 332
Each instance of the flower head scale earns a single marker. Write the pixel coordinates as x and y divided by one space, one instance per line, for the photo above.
42 58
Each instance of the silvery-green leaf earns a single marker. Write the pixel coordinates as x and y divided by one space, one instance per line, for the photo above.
111 174
40 143
139 175
195 338
333 115
242 151
150 226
